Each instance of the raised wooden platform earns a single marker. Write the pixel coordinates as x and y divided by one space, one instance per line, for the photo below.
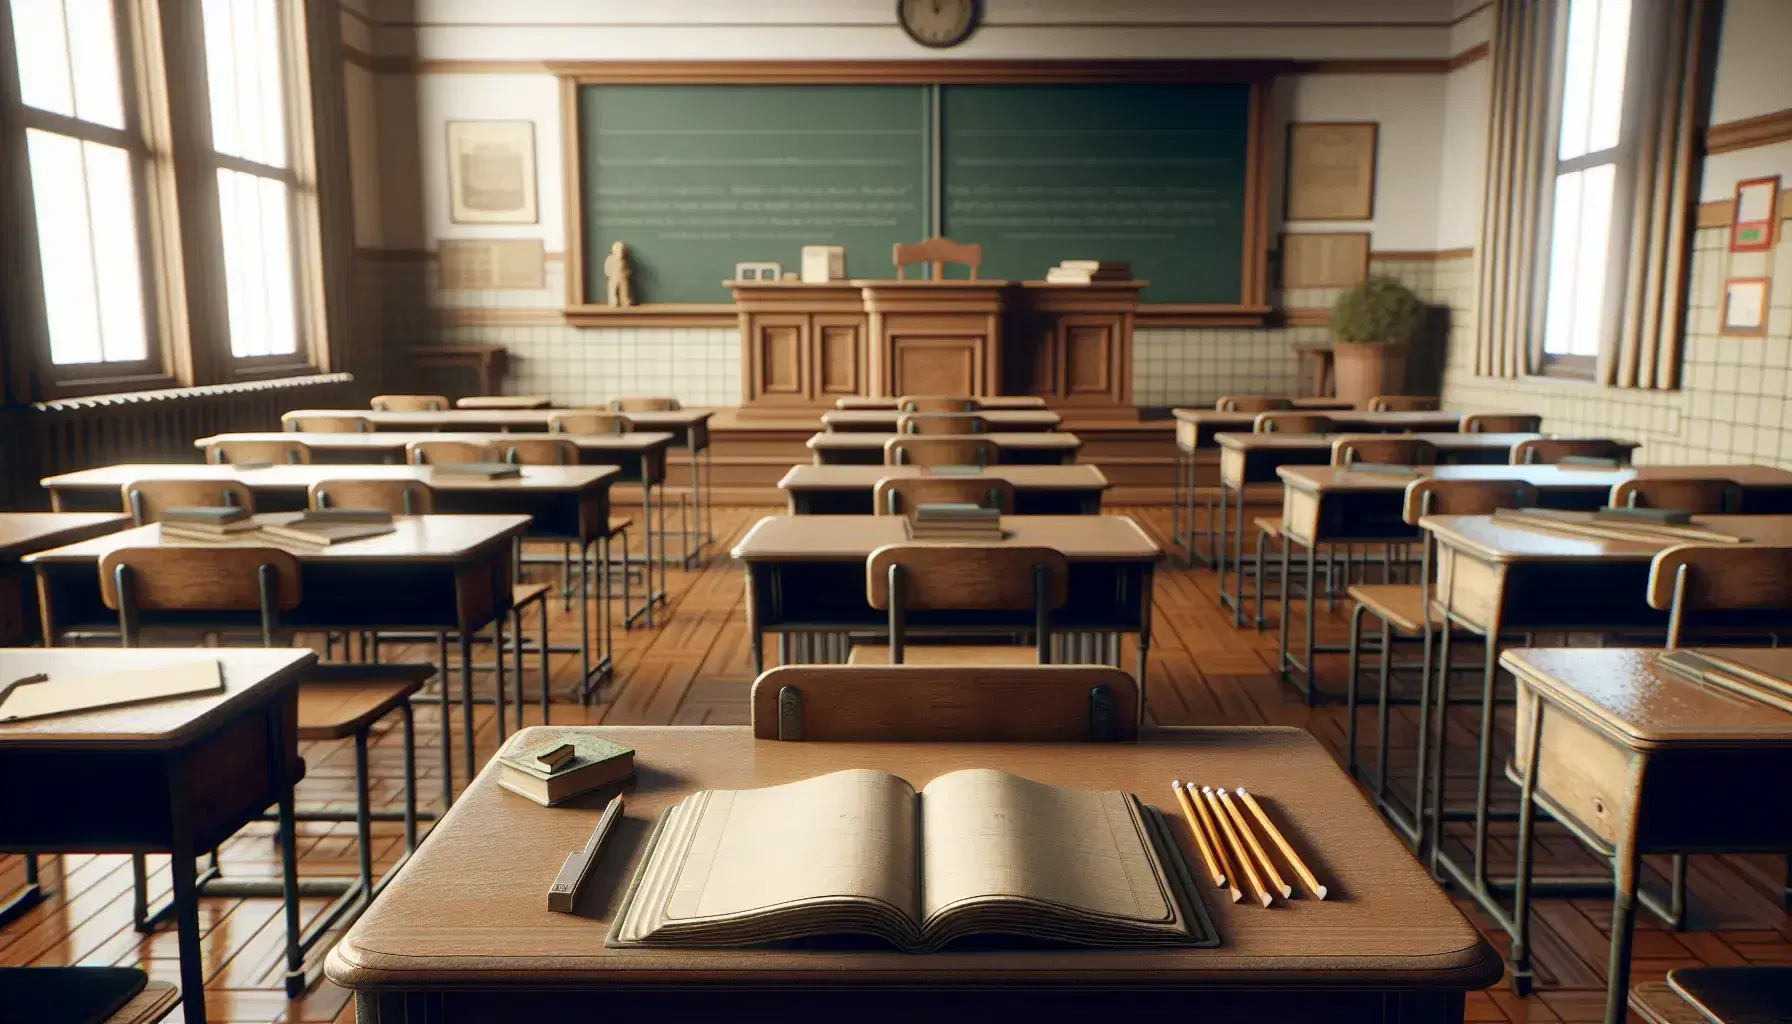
751 453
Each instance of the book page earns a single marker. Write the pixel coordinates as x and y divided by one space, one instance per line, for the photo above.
989 833
850 833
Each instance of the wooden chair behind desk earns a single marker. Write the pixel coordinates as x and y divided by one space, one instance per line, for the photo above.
449 453
539 451
937 252
1383 449
1501 423
238 453
938 404
941 423
1253 403
940 451
409 403
904 578
1701 497
645 403
1026 704
1690 580
331 424
147 500
1291 423
1548 451
899 495
399 497
588 421
1402 403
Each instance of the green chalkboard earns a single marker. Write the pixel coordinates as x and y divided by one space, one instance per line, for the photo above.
1150 174
695 178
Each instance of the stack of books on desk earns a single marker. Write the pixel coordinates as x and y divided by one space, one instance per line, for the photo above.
859 852
1088 272
326 526
955 521
556 767
226 523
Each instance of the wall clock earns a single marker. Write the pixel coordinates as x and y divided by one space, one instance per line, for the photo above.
939 23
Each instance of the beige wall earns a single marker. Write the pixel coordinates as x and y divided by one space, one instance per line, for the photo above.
1733 405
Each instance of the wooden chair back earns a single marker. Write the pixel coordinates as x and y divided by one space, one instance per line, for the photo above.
146 500
938 403
1701 497
1545 451
940 451
1387 449
1291 423
898 703
901 578
941 423
898 495
540 451
238 453
645 403
409 403
448 453
938 252
399 497
199 579
1433 497
1402 403
1253 403
588 421
330 424
1725 578
1501 423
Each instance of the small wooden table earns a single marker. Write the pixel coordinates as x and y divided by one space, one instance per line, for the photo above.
990 402
174 776
436 573
806 582
22 533
1634 758
883 421
1038 490
1389 945
849 448
487 363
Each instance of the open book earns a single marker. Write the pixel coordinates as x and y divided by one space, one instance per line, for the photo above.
859 852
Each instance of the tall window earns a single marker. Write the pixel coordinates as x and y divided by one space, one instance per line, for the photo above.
86 160
244 67
1592 159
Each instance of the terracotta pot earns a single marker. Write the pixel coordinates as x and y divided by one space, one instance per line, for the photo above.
1364 369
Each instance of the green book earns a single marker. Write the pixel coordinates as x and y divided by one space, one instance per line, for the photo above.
595 762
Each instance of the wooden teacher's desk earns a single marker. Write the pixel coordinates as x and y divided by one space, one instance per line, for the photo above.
852 448
1387 946
174 776
436 573
22 533
1038 490
883 421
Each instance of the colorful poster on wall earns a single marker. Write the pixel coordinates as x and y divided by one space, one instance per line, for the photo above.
1757 202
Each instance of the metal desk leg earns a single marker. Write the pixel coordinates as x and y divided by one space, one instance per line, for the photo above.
498 678
1310 689
1187 543
693 529
1282 616
182 855
1484 777
1521 895
447 723
1617 972
1219 549
466 703
709 518
289 853
584 620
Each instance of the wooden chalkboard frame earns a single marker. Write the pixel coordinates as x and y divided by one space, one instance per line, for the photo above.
1252 311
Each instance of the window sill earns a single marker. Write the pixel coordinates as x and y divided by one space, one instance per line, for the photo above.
1571 381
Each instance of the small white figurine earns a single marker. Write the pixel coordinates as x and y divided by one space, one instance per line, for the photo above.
618 287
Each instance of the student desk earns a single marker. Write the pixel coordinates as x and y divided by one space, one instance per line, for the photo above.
806 576
883 421
1634 758
22 533
641 455
989 402
504 402
433 948
437 573
1494 580
174 776
565 504
851 448
1038 490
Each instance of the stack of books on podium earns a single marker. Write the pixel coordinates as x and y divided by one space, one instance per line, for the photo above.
1088 272
955 521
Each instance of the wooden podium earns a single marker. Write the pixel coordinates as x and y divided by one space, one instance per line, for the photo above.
935 337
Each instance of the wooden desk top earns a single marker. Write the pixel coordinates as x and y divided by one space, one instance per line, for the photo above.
990 402
388 441
1496 541
162 723
999 419
838 439
21 533
1315 479
864 478
434 538
1340 413
837 538
1445 441
1630 696
298 478
504 402
469 418
468 908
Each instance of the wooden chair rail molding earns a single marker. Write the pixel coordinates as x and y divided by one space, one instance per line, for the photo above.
69 434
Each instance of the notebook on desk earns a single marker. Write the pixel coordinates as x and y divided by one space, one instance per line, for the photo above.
859 852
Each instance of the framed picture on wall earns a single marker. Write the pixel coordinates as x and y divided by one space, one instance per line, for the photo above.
491 172
1745 306
1331 170
1757 202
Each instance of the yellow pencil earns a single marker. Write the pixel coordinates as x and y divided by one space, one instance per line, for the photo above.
1194 825
1219 845
1250 838
1240 855
1275 836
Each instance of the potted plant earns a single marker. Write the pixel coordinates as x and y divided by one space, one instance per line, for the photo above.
1374 326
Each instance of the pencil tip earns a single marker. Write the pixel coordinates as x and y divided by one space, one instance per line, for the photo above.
1237 895
1321 891
1287 891
1268 899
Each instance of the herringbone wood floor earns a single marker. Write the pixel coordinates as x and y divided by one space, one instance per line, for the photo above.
695 668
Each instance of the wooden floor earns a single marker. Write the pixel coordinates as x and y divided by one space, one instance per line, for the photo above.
695 668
